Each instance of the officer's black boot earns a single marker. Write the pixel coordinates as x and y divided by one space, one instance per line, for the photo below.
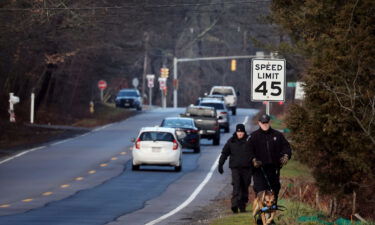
234 209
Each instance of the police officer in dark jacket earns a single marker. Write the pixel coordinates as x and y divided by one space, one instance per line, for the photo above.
271 151
240 157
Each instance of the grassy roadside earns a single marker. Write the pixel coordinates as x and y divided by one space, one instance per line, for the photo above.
15 137
288 217
297 212
295 209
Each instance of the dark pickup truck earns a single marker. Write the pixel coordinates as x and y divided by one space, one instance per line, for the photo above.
206 121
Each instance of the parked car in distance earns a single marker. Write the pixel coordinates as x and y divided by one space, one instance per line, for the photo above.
221 109
187 132
206 120
157 146
230 96
129 98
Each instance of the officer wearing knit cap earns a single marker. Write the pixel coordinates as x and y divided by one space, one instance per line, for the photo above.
238 151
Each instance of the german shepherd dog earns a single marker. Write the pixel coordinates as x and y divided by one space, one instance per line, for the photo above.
264 199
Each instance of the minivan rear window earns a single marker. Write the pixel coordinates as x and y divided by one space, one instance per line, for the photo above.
156 136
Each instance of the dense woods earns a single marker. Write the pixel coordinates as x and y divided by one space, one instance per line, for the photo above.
60 49
334 128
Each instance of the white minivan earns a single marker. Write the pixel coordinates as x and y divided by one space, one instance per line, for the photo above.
157 146
230 96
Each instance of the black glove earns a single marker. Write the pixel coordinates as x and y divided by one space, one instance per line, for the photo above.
256 163
284 160
220 169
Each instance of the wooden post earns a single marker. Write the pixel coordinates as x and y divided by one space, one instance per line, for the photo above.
354 202
304 192
334 206
330 208
317 203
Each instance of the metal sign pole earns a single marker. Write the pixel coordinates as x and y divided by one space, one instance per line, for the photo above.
150 97
32 108
164 100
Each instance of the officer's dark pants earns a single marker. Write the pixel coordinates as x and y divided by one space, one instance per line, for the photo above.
241 178
273 174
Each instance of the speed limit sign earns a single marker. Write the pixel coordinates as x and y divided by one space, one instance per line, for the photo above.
268 80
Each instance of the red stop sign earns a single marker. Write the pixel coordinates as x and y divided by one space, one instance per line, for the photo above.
102 84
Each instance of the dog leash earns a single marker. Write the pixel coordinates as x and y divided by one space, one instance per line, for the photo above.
265 177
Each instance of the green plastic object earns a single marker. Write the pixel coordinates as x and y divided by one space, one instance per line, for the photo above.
317 219
342 221
286 130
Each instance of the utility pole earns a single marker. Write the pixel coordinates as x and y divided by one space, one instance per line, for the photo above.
146 39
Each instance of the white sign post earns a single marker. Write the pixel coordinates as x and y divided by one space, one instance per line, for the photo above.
163 88
300 92
102 84
268 80
32 108
150 84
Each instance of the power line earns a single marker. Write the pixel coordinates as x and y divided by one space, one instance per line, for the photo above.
146 6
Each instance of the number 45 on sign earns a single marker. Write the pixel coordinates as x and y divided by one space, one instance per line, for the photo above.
267 80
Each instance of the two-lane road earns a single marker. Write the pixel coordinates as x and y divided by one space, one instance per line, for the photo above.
88 180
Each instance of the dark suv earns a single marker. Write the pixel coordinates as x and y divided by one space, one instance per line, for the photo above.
129 98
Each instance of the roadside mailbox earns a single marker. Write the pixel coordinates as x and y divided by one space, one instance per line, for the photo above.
12 101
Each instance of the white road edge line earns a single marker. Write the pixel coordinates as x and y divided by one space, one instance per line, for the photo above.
246 119
103 127
56 143
22 153
194 194
60 142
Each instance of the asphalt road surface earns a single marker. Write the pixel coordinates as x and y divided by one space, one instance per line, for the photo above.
88 179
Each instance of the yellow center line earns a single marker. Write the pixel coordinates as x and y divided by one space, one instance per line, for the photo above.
123 153
47 193
65 185
5 206
92 171
28 200
79 178
103 164
114 158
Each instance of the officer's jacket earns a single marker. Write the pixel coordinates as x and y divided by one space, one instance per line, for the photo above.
238 151
269 146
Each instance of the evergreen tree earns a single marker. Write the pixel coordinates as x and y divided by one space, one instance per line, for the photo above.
333 131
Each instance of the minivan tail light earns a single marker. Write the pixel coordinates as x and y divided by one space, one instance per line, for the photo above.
138 143
175 145
223 112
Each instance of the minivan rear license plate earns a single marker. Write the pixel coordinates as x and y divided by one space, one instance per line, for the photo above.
156 149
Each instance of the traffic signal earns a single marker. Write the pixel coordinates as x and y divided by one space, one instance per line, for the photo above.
233 65
164 72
